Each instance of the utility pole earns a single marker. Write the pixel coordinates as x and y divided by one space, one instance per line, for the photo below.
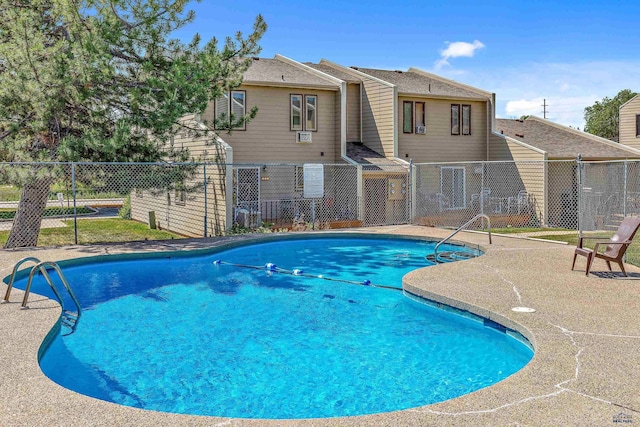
544 108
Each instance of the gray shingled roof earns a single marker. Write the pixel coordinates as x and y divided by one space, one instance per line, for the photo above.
276 72
375 162
410 83
334 72
559 141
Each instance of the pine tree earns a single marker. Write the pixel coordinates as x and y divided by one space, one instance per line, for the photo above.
101 80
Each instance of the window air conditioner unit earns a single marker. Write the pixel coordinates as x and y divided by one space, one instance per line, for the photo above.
303 137
421 130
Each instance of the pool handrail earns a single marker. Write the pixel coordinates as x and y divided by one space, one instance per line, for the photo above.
72 318
463 226
13 275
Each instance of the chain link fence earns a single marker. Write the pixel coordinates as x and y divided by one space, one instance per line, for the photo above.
610 191
513 194
67 203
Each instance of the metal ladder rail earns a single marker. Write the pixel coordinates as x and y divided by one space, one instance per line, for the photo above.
435 250
13 275
42 267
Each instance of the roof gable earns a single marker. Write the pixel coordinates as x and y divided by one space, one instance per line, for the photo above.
417 82
278 72
562 142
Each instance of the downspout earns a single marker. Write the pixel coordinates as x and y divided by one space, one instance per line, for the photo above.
395 121
343 119
361 83
490 122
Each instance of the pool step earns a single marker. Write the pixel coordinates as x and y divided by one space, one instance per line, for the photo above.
450 256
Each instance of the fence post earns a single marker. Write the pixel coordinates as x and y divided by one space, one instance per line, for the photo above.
206 204
579 201
410 193
75 211
481 198
624 191
360 193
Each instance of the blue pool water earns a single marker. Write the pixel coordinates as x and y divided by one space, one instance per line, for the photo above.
185 335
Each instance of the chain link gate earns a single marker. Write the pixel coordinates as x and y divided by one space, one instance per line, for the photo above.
273 196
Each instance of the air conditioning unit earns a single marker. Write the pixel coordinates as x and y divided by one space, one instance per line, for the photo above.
421 130
247 219
303 137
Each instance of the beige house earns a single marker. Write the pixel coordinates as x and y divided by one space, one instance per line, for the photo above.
368 124
630 123
551 185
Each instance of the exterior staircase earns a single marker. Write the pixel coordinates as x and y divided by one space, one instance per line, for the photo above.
614 222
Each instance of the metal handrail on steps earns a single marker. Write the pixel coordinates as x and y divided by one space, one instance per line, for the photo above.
471 221
69 319
13 275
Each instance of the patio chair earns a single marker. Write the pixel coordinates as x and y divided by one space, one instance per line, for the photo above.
615 247
519 202
481 198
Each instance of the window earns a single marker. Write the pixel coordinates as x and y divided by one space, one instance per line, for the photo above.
452 187
420 118
231 108
455 119
311 101
180 196
466 119
306 119
238 109
296 112
139 192
407 117
299 178
637 125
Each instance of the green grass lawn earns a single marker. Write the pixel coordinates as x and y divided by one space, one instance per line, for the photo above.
98 231
516 230
633 253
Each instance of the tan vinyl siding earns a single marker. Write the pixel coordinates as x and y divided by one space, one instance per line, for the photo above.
502 149
377 116
188 218
628 123
438 145
530 166
353 112
269 138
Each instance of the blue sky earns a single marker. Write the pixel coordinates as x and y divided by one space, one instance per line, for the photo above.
571 53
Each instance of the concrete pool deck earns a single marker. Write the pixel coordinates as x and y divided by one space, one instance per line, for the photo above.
585 330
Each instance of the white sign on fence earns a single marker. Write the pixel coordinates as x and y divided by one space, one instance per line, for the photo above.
313 181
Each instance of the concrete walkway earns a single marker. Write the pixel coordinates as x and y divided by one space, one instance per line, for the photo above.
585 331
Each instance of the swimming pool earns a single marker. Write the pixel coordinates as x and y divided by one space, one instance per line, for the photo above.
242 342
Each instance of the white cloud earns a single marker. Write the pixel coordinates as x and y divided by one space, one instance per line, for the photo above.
456 50
521 107
567 87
